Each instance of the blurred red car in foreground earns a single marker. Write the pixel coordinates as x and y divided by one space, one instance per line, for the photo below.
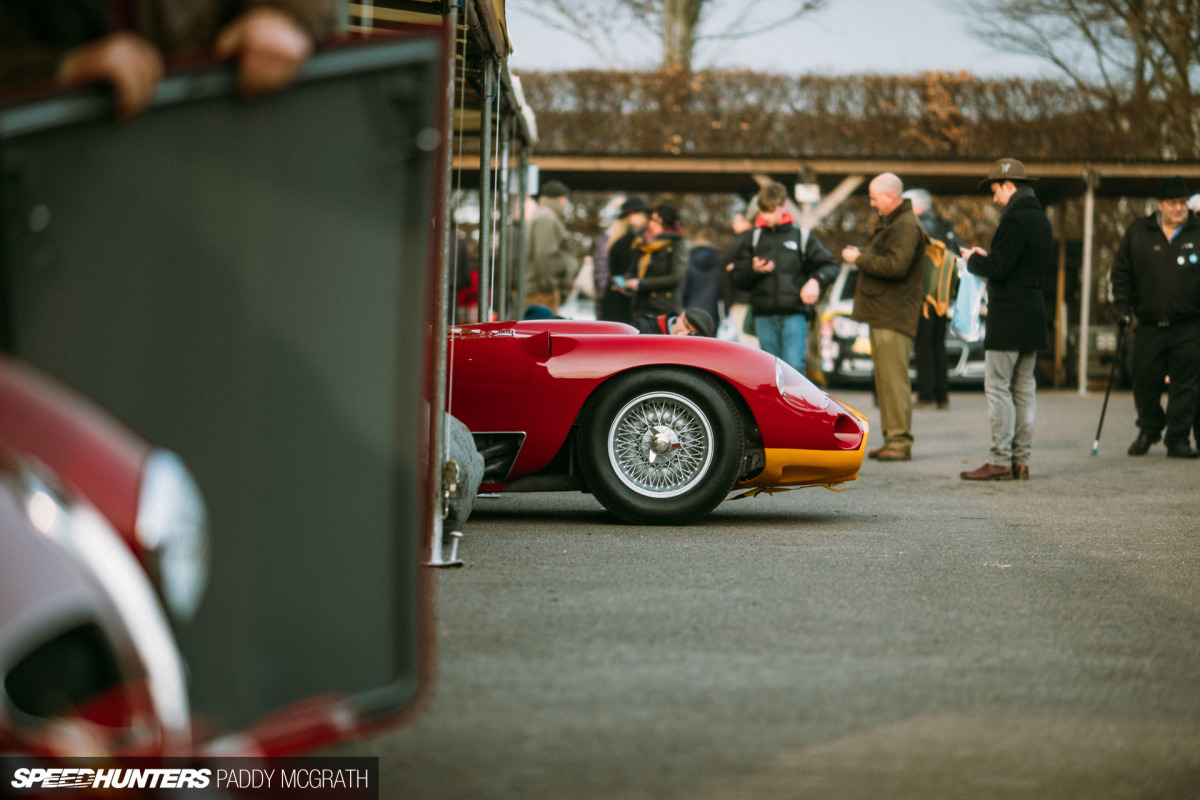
99 535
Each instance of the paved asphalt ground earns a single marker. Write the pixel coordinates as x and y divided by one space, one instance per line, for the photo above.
915 636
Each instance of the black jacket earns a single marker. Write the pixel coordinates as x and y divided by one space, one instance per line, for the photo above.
778 291
660 323
1156 279
659 280
1022 254
704 282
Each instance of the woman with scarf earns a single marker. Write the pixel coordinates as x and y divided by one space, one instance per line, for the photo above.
661 261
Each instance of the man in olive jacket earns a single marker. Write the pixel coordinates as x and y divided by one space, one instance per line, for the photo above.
888 297
551 259
1022 252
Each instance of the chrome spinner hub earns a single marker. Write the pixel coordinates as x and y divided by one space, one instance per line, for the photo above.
660 440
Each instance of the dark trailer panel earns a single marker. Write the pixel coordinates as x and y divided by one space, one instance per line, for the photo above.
247 283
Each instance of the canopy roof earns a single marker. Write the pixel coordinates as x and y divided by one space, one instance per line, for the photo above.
1056 180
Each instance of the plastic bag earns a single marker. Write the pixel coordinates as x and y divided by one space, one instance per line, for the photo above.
965 321
728 329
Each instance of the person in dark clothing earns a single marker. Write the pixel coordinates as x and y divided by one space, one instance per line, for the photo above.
705 282
1022 252
739 301
1156 277
929 347
616 305
466 285
661 262
1193 205
692 322
785 269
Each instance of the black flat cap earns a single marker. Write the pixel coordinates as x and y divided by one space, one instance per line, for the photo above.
1172 188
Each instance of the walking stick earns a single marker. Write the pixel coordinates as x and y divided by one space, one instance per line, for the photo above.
1111 374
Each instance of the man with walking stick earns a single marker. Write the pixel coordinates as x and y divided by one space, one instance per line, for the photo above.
1156 277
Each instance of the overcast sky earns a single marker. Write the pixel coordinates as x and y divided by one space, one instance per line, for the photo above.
850 36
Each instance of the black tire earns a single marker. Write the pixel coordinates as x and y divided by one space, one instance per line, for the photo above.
660 446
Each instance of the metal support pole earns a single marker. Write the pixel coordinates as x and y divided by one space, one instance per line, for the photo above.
485 192
443 242
504 206
1085 281
1061 323
522 255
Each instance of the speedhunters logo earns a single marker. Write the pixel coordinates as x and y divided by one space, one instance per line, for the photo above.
307 778
116 778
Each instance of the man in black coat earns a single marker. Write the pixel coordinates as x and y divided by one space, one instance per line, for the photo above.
1022 252
1156 275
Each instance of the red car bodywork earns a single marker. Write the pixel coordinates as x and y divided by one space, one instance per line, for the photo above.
91 452
534 377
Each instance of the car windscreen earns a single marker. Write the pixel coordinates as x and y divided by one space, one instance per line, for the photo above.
245 283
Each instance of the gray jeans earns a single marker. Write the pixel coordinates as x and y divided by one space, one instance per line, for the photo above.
1012 404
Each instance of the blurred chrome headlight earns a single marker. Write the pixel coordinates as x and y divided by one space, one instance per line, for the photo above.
797 388
87 537
172 524
846 328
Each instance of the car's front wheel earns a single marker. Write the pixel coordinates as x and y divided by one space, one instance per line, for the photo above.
660 447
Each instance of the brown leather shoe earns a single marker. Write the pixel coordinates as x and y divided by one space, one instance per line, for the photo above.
875 453
891 454
988 472
1020 472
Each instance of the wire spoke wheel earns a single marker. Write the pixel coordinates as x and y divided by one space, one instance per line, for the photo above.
660 444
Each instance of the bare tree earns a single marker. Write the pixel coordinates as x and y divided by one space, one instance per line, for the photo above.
1140 58
622 32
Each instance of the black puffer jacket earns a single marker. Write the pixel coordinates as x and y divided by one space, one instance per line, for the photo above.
1156 279
778 291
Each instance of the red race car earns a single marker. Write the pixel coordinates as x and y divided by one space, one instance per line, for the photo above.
659 428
